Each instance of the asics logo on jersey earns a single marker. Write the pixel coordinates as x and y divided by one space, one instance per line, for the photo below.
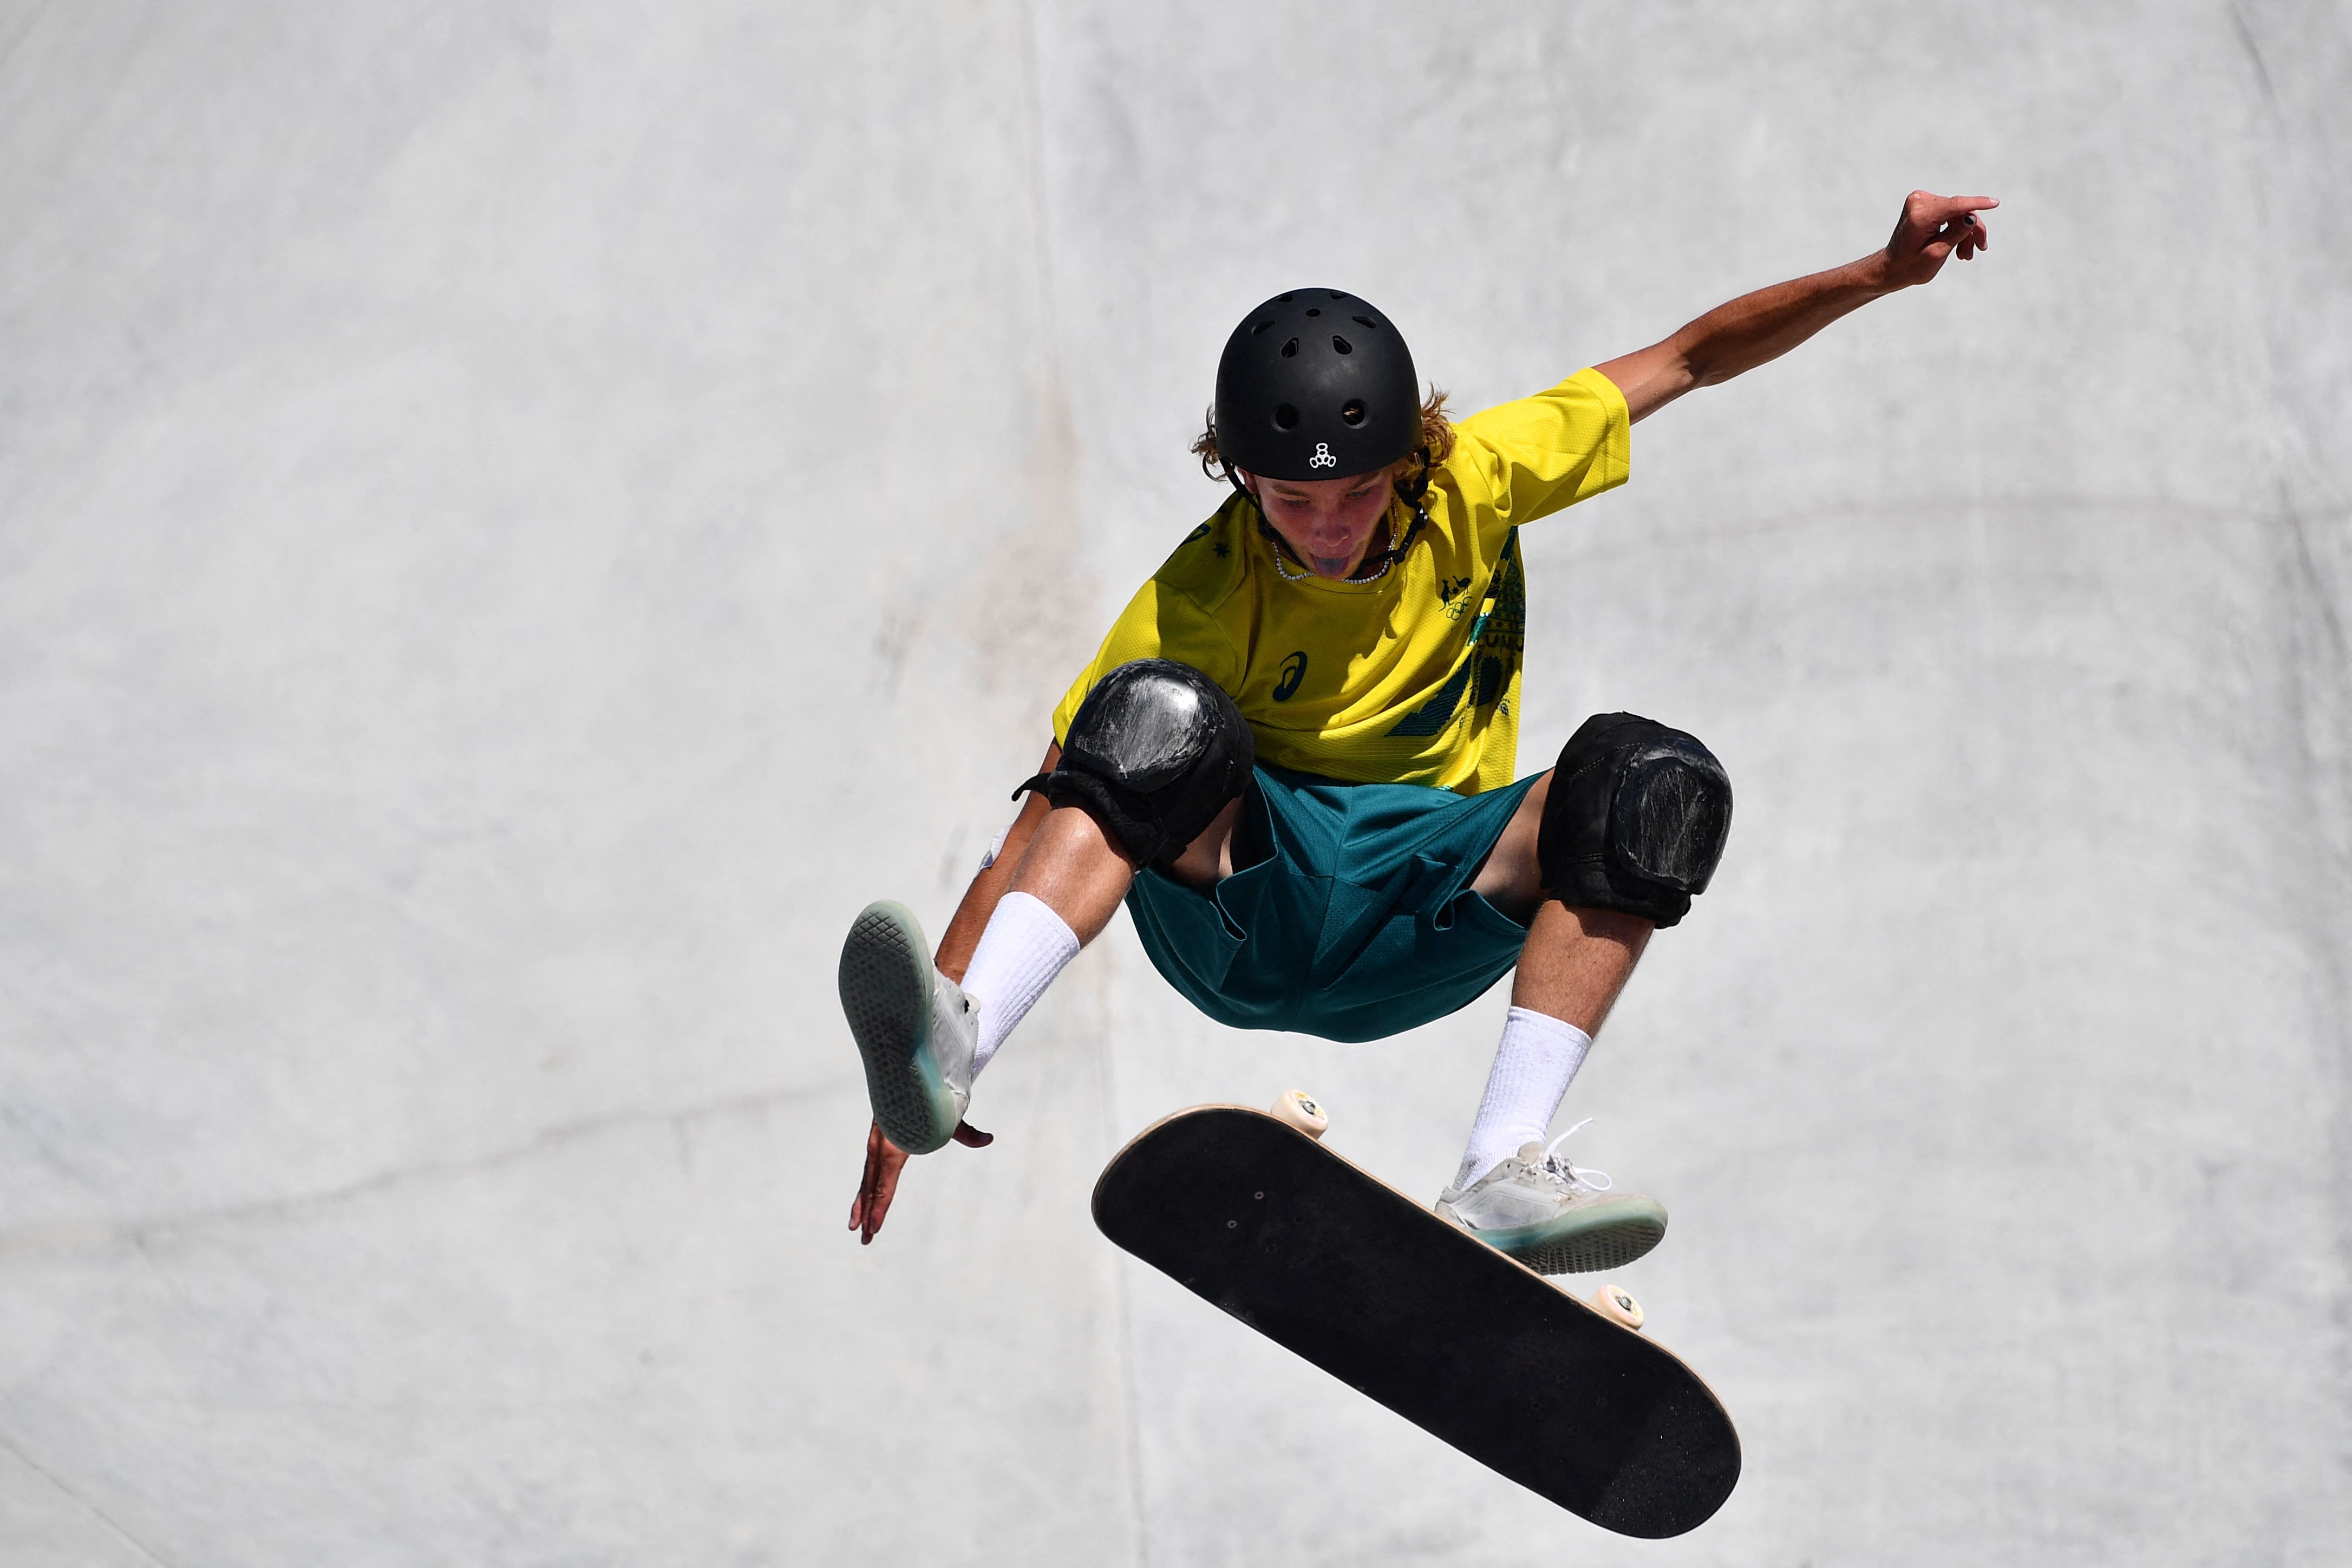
1293 670
1322 458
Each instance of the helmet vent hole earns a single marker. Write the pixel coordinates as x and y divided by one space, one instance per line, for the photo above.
1261 327
1365 322
1337 295
1313 313
1290 349
1282 299
1342 344
1285 417
1352 412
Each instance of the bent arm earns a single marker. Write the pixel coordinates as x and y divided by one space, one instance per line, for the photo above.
1762 326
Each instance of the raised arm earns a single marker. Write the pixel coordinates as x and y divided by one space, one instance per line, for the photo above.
1761 326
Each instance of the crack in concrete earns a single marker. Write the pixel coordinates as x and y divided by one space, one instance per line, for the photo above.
2253 53
2321 697
88 1507
134 1233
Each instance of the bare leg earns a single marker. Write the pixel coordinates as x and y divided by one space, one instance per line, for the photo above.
1209 859
1063 857
961 939
1074 868
1576 960
1572 967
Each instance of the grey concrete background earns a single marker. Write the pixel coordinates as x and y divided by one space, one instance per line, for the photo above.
516 520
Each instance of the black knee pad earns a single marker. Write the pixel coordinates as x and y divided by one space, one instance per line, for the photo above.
1635 819
1157 749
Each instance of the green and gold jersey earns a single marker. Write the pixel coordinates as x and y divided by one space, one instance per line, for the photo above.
1413 678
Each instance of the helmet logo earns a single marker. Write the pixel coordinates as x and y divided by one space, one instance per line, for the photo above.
1322 458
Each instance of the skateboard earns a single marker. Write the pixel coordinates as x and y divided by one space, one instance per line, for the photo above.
1249 1209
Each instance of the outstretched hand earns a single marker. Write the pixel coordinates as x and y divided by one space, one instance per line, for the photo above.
1932 228
879 1184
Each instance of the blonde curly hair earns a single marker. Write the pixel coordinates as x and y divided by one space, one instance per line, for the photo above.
1436 440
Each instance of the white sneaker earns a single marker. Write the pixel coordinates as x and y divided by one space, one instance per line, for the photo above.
914 1026
1554 1216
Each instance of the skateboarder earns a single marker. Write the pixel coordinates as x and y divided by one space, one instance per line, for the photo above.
1292 757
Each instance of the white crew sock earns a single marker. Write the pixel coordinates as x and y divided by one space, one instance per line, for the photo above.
1025 946
1533 1067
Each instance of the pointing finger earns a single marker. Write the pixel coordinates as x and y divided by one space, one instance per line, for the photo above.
1936 213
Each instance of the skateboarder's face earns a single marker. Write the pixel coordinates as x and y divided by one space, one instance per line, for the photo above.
1327 523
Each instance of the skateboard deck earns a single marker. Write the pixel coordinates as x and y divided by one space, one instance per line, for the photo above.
1256 1216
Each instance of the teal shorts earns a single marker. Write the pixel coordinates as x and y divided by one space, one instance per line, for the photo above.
1357 922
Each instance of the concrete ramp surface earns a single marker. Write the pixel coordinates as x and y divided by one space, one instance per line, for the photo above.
516 520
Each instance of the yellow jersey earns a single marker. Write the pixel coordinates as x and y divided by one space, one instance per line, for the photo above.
1411 678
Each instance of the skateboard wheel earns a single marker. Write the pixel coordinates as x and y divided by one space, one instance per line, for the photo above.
1302 1111
1615 1301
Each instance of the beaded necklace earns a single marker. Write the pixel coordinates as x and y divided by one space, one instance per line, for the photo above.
1389 557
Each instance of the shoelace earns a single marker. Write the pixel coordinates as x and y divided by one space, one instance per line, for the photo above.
1567 1171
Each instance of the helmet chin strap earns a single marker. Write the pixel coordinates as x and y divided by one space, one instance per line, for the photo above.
1419 481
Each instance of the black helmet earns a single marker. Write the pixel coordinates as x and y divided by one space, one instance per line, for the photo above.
1316 385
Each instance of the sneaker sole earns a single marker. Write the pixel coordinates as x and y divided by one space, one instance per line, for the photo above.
1599 1242
886 993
